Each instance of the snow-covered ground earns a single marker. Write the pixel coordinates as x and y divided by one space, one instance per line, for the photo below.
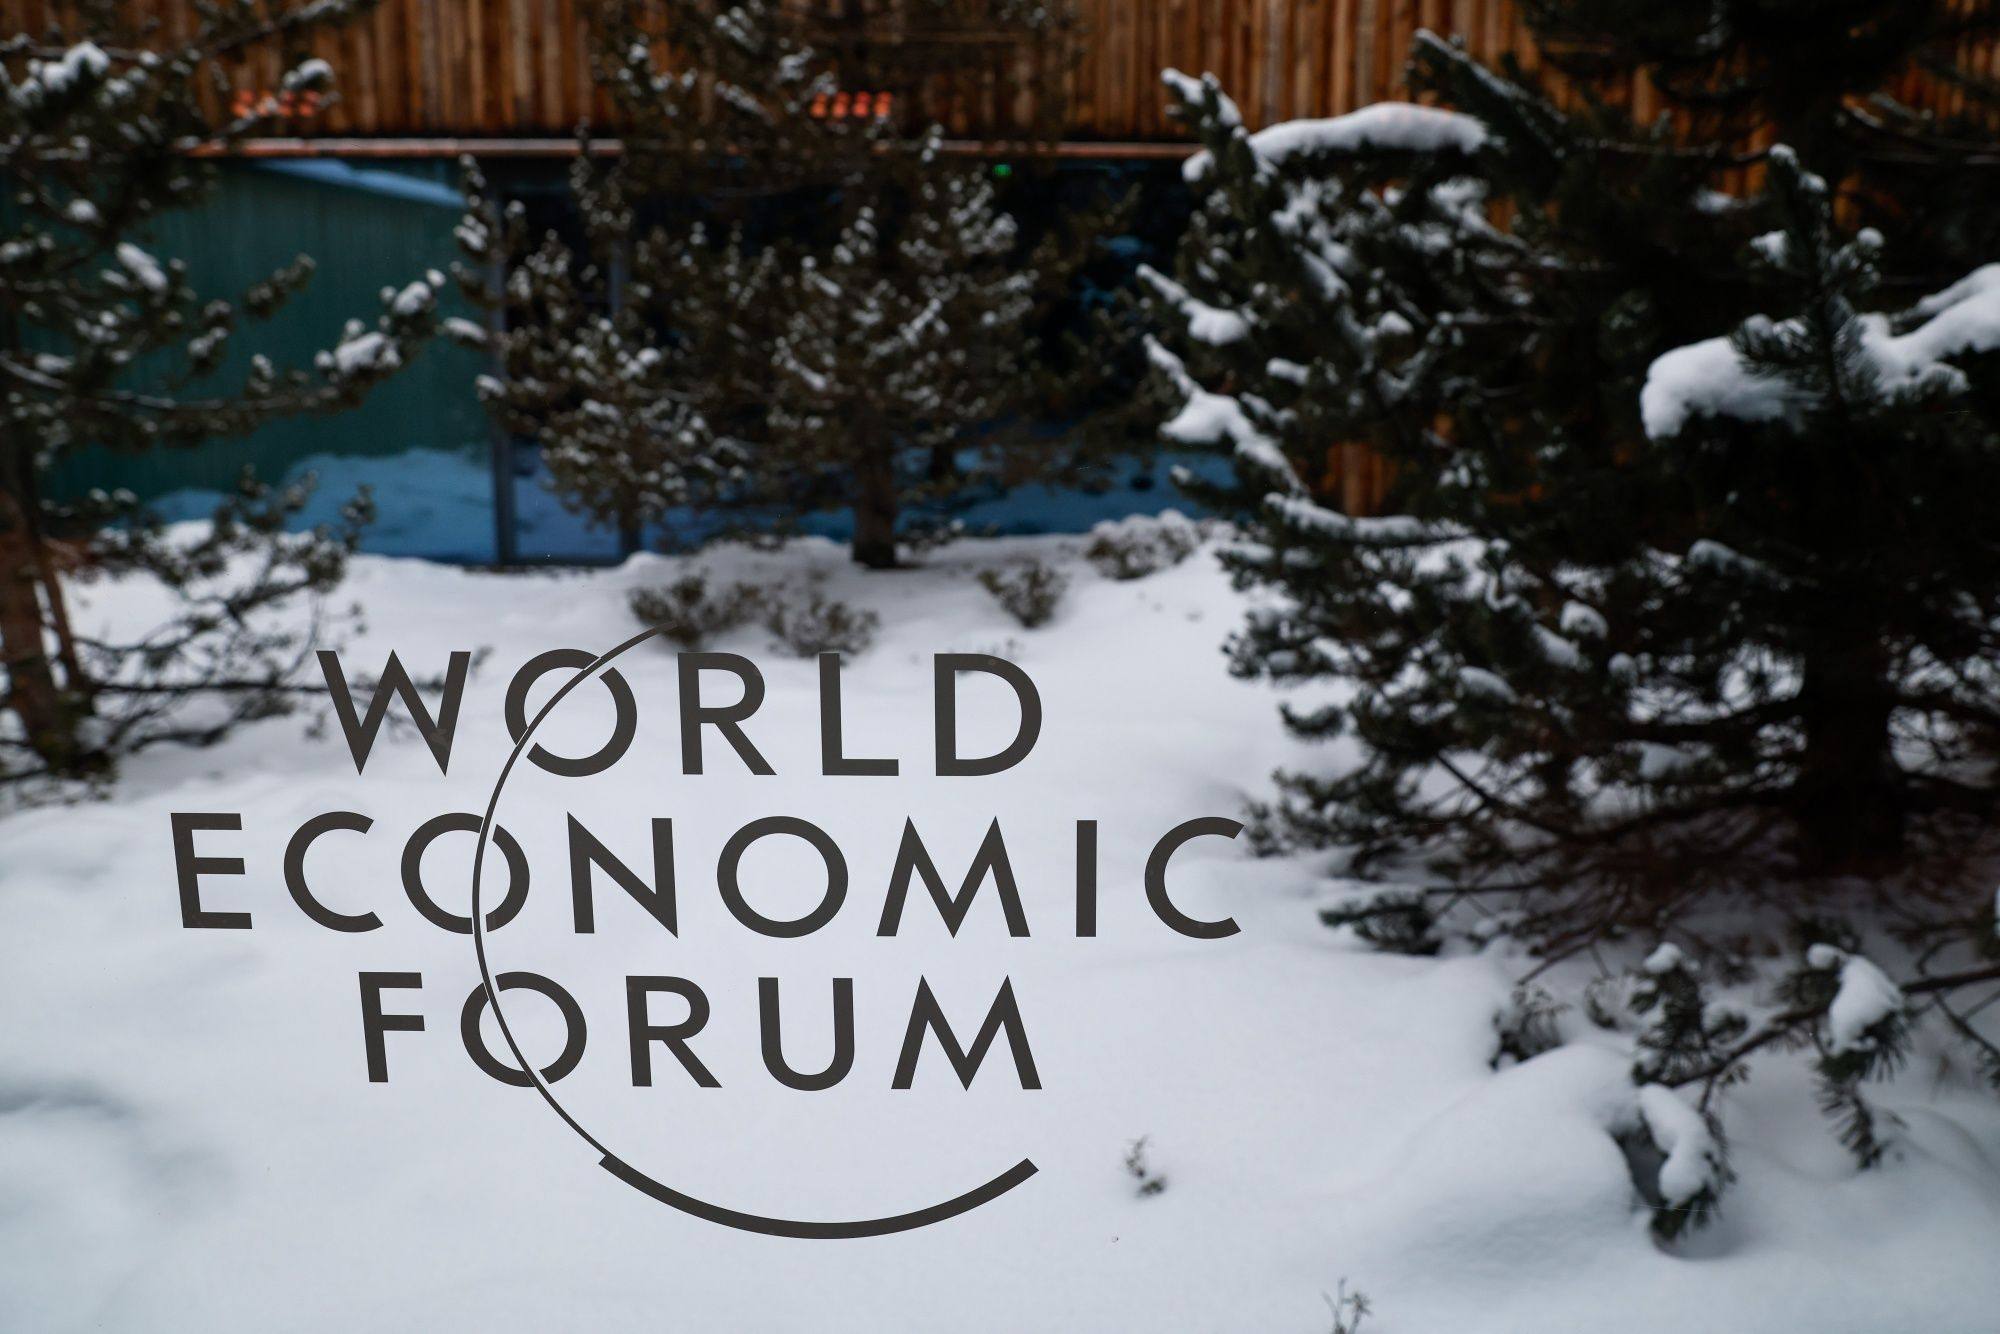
189 1142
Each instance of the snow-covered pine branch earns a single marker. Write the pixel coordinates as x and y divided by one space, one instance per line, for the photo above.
106 342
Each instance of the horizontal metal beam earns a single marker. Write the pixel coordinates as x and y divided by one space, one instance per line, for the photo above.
497 147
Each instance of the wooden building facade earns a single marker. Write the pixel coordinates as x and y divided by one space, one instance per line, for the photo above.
421 77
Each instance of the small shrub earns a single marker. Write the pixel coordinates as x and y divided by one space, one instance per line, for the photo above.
1134 547
921 536
811 623
1136 1167
1349 1310
1392 918
689 614
1526 1026
1029 592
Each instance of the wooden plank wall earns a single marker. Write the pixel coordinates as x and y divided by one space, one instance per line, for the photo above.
517 68
422 68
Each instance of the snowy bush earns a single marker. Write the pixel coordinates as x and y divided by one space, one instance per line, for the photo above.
810 623
689 613
1139 545
1679 1164
1860 1033
1146 1180
1029 591
1527 1026
921 534
1391 918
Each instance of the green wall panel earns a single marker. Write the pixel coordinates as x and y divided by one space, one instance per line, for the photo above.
366 229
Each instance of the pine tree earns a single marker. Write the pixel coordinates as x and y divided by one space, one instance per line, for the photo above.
906 333
789 301
103 342
1682 584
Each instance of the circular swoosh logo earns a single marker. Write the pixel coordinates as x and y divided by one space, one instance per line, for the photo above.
610 1161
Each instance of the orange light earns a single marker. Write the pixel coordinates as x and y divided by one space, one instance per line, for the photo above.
846 105
285 105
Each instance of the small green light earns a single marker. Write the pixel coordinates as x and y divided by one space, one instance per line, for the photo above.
1003 169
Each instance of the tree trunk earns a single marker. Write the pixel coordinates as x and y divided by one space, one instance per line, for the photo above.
32 694
74 679
1849 802
875 510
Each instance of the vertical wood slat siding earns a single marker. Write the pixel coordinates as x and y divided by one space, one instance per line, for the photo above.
479 68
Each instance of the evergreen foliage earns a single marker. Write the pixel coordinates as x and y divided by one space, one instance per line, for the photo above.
1030 591
1682 613
1683 579
102 342
780 309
